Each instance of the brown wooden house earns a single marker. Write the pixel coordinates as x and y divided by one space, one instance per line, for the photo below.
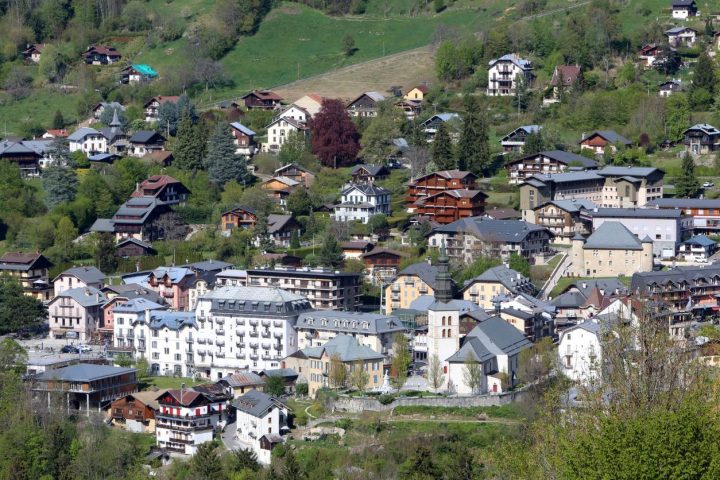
368 173
365 105
382 263
132 247
261 100
597 141
356 248
238 217
279 188
437 182
297 173
451 205
136 411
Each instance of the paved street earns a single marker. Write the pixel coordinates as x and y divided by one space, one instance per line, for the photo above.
229 440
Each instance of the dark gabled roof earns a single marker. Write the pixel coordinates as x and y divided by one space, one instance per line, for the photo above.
241 207
280 170
523 128
373 170
705 128
367 189
347 348
242 379
571 205
634 213
678 275
84 372
277 223
382 250
490 230
286 373
610 135
608 285
683 3
679 30
566 158
699 203
242 129
23 261
146 136
256 403
86 274
502 213
423 270
636 172
570 74
134 241
490 338
263 95
507 277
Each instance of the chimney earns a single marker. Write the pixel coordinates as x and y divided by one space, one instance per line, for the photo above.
147 316
584 284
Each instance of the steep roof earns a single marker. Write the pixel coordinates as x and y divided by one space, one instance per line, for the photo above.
423 270
149 397
566 158
23 261
514 58
366 188
610 135
701 240
490 230
346 347
524 128
85 296
137 305
706 128
162 99
493 337
242 128
277 222
569 73
612 236
86 274
502 274
80 133
678 275
160 319
443 117
145 136
256 403
263 95
373 170
243 379
571 206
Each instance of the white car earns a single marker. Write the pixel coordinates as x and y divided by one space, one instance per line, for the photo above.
85 348
708 185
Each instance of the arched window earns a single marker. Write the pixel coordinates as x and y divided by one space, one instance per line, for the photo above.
443 333
449 333
449 321
443 321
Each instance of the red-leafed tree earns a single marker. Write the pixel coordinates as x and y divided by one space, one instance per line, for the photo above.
335 140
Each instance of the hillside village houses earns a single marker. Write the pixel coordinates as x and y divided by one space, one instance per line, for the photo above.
33 52
546 162
564 79
494 282
705 212
669 87
409 284
361 202
681 36
31 270
610 251
701 139
600 140
79 277
365 105
261 420
453 121
101 55
152 106
505 72
683 9
262 100
296 172
244 139
515 140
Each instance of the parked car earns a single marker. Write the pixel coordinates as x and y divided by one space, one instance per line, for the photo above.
708 185
69 349
85 348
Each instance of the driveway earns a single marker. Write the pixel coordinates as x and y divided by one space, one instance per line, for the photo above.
229 440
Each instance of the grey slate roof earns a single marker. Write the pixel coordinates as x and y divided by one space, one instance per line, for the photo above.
511 57
700 203
346 347
208 265
507 277
634 213
566 177
572 206
137 305
85 296
706 128
144 136
612 236
86 274
81 133
604 284
371 169
242 379
568 158
368 189
277 222
242 128
255 299
280 372
569 300
83 372
256 403
426 272
611 136
640 281
638 172
493 337
678 30
490 230
160 319
104 225
339 321
701 240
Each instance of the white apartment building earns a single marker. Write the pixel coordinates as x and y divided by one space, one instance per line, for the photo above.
186 418
88 140
245 328
261 419
505 72
579 352
360 202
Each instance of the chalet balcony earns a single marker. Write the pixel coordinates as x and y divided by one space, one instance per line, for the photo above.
240 356
254 323
239 332
186 441
220 321
220 354
265 346
220 331
254 356
266 356
201 341
278 335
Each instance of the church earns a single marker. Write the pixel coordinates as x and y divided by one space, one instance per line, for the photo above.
478 360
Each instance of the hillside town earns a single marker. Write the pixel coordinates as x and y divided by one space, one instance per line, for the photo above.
508 267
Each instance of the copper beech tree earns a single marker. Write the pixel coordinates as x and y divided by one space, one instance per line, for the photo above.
335 140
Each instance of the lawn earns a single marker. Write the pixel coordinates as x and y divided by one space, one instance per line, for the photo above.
311 43
167 382
565 282
510 411
38 108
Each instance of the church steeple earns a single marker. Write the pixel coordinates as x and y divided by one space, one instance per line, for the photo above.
443 281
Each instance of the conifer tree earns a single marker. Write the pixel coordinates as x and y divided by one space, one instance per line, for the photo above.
474 148
60 184
331 253
222 162
190 148
442 152
687 185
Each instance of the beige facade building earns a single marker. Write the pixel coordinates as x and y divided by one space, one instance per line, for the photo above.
494 282
612 250
314 364
411 283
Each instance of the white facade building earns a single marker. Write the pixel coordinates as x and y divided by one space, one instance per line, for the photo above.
186 419
579 352
88 140
505 72
360 202
245 327
279 131
261 419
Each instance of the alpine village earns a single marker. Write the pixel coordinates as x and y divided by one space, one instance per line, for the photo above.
359 239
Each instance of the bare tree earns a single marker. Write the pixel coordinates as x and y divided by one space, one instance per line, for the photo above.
472 374
338 373
435 373
359 377
419 158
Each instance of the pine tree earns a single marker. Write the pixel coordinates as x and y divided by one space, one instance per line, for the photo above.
704 74
222 162
190 147
442 151
474 148
294 240
60 184
105 258
58 120
534 143
331 253
60 152
687 185
205 464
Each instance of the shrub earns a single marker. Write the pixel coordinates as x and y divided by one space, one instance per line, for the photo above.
386 399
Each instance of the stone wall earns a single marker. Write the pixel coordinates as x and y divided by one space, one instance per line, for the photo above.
361 404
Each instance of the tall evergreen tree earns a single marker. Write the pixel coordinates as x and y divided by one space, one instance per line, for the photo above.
58 120
704 74
474 147
60 152
206 464
222 162
60 184
331 253
190 148
442 151
687 185
105 258
534 143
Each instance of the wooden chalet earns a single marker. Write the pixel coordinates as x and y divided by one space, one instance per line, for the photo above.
101 55
365 105
436 182
136 411
599 140
382 263
356 249
132 247
368 173
448 206
31 270
164 188
261 100
279 188
33 52
296 172
238 217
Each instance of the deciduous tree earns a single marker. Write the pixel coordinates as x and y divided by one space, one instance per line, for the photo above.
337 373
435 372
274 386
359 377
335 139
472 373
401 360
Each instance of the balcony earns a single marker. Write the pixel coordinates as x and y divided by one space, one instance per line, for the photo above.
265 346
239 321
220 342
265 323
141 348
201 341
220 331
239 332
240 355
186 441
130 335
189 361
201 351
254 344
254 333
240 344
277 323
254 323
278 335
266 356
265 334
220 354
254 356
220 321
